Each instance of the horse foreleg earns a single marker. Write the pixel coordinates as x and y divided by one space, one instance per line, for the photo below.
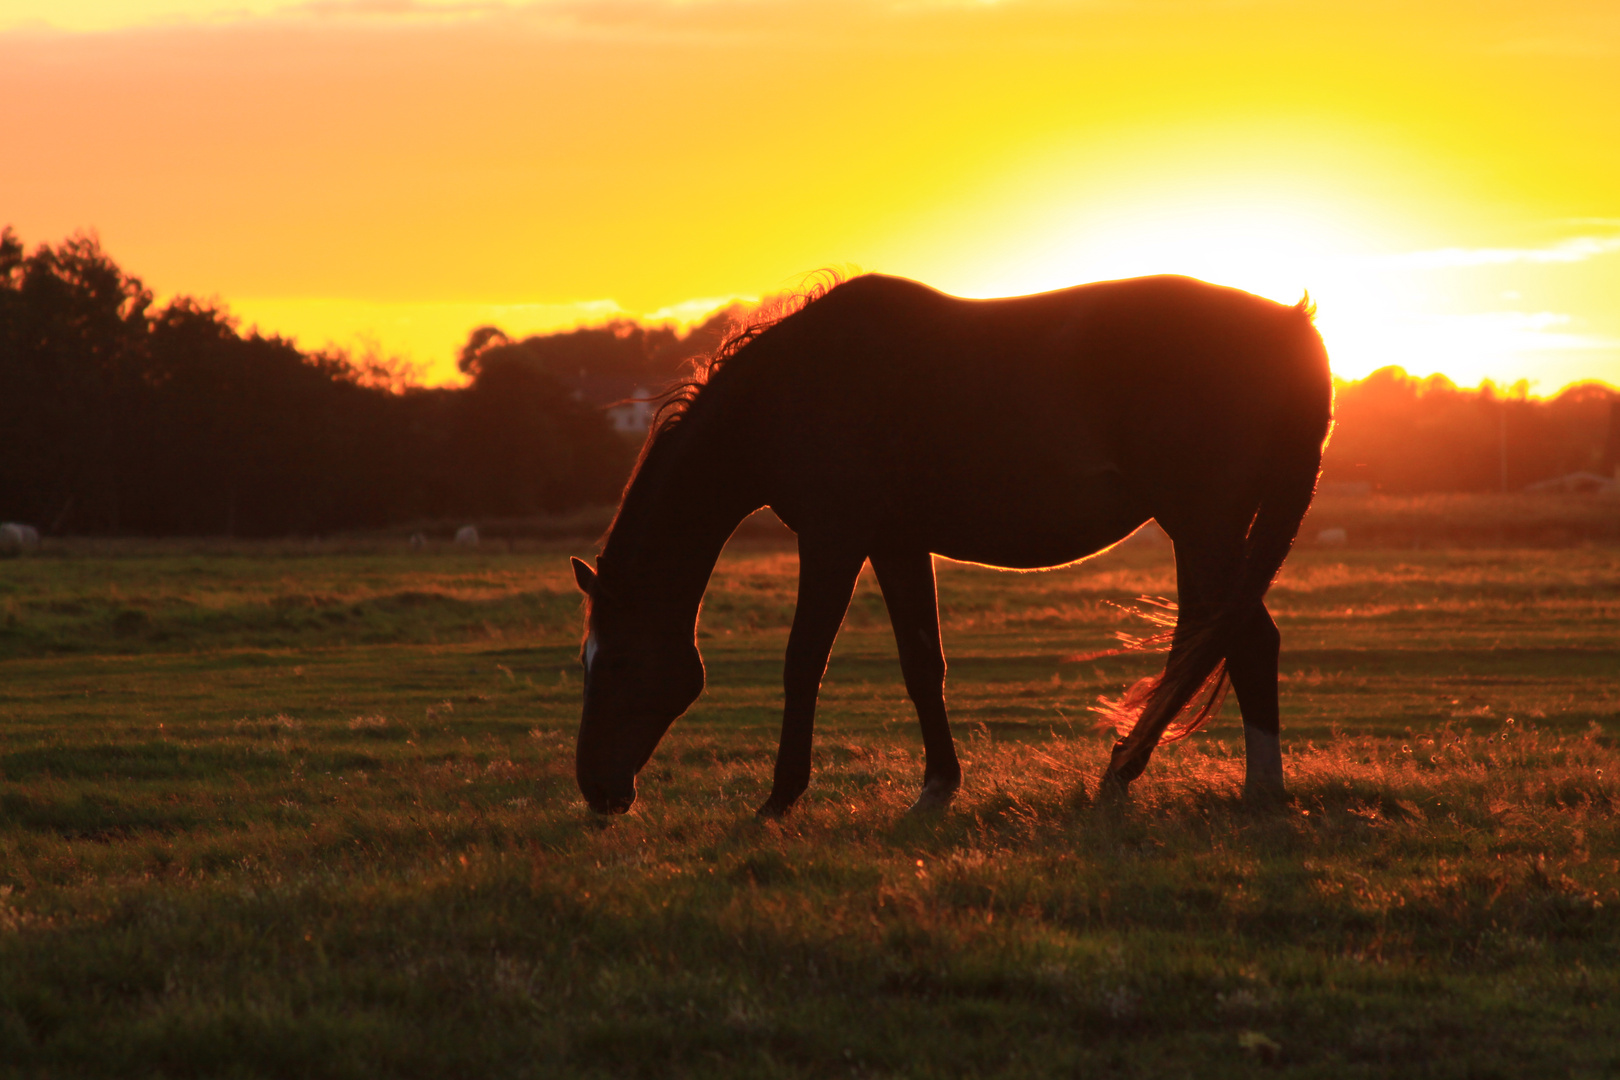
1252 664
827 576
907 580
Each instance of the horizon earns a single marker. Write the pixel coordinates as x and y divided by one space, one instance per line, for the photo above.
383 177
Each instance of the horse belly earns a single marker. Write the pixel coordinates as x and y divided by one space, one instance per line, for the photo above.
1029 528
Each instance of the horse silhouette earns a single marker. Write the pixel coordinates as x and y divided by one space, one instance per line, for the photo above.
889 422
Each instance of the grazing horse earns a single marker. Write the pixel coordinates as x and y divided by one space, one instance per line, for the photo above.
886 421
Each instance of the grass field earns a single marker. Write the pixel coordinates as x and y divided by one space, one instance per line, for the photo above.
282 811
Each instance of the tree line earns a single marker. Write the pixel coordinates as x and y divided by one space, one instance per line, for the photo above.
118 415
1403 435
121 416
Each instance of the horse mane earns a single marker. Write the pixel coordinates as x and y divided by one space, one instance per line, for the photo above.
677 400
675 403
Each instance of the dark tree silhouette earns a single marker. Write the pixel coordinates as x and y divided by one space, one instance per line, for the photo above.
116 416
603 364
73 348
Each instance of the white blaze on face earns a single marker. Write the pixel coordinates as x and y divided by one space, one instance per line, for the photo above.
590 654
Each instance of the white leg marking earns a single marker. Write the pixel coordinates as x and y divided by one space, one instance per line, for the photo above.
1263 773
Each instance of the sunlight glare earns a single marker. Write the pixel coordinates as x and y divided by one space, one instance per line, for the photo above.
1273 246
1380 300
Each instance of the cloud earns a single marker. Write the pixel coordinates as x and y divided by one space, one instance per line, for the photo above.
1573 250
1521 331
1485 333
102 16
398 9
690 312
1548 347
923 21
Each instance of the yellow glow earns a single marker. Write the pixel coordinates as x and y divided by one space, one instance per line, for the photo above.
1278 232
429 335
437 330
1444 178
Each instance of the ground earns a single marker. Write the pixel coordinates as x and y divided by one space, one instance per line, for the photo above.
294 809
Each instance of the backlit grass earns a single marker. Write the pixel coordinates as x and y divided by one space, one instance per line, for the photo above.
291 824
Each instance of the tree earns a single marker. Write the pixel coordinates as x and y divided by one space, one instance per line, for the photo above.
118 417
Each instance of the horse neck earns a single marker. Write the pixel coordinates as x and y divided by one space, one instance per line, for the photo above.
677 515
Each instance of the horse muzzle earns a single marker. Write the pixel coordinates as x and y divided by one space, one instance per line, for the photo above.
612 804
606 798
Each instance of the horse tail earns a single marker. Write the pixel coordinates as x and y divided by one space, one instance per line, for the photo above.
1190 690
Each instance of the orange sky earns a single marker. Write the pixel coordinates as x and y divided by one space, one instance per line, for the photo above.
1443 177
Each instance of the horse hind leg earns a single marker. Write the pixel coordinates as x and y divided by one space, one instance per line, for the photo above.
1206 571
827 575
1252 663
1170 693
907 580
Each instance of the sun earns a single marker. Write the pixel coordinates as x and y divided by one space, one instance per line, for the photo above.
1274 244
1404 267
1272 250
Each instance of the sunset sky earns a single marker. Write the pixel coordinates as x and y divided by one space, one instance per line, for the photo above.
1443 177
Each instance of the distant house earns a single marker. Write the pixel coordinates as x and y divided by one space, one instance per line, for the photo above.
634 415
599 387
611 366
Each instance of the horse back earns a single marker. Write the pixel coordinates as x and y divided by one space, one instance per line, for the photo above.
1068 417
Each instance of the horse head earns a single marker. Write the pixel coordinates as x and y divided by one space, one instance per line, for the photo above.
641 673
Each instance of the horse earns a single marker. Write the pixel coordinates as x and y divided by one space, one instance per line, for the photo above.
885 421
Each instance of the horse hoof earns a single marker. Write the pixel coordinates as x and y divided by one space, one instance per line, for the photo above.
933 799
1265 796
1113 789
773 810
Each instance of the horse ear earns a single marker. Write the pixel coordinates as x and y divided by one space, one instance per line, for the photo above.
584 576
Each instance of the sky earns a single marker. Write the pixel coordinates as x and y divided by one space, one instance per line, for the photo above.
386 175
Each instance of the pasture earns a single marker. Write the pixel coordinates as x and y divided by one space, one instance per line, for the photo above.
277 810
